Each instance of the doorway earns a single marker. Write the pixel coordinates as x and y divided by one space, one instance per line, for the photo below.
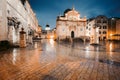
72 34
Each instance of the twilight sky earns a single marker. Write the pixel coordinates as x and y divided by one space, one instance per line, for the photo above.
47 10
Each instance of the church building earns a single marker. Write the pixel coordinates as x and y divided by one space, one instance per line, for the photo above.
70 25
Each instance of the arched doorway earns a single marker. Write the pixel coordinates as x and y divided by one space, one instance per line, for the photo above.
72 34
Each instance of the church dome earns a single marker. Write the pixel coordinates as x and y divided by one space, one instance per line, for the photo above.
72 14
67 10
47 25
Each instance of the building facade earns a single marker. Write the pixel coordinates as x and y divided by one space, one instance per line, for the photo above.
70 25
14 15
90 28
118 27
113 28
101 23
39 31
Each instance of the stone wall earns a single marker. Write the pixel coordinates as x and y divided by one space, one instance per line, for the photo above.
3 20
21 15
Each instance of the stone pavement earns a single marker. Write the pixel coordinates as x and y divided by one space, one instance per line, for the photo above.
47 60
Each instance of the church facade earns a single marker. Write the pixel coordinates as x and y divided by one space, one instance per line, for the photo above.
70 25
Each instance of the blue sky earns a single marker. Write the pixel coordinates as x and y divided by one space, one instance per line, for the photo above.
47 10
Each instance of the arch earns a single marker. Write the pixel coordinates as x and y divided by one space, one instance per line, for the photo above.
72 34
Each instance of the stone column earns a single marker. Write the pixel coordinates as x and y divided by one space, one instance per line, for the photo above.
10 34
22 38
17 36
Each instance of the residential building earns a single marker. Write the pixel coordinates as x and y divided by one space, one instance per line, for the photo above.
113 28
101 21
90 28
117 30
101 24
118 27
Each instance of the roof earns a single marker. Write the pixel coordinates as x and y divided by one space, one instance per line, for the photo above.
67 10
47 25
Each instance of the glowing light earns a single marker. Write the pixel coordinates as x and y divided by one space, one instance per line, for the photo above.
52 37
111 46
14 36
87 48
111 34
51 41
14 56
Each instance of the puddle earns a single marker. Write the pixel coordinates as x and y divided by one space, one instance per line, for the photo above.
110 62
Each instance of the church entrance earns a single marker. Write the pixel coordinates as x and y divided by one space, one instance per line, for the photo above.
72 34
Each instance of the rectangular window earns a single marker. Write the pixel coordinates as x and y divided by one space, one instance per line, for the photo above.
104 32
98 21
104 27
104 21
99 32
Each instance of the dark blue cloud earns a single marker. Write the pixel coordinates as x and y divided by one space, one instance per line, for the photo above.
47 10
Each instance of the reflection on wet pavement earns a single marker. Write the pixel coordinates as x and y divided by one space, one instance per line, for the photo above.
110 62
48 60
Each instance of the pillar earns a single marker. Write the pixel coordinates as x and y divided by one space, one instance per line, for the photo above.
22 38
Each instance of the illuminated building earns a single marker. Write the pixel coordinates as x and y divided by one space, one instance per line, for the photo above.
39 31
70 25
118 30
118 27
48 31
14 15
100 22
47 28
113 28
90 29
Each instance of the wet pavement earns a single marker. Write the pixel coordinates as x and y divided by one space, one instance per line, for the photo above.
48 60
